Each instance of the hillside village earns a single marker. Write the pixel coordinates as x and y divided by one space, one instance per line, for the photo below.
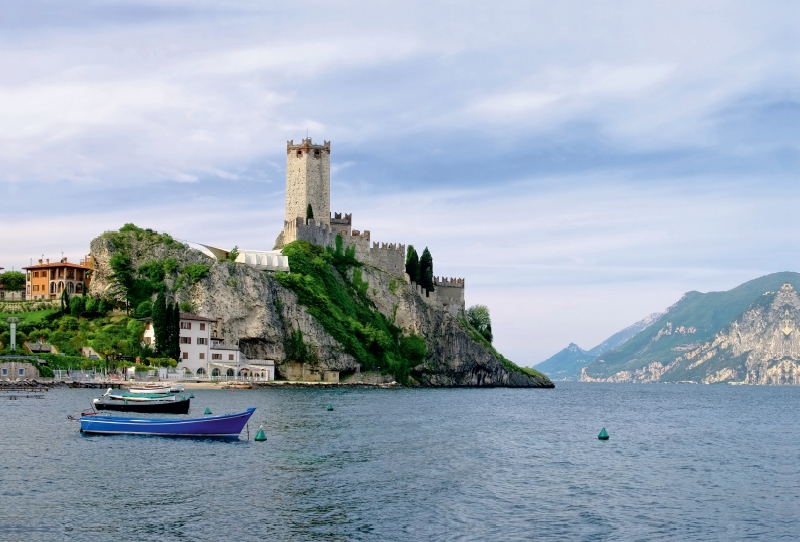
214 341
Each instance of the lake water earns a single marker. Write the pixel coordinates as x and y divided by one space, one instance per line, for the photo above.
683 463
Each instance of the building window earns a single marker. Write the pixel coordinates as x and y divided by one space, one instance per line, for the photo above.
230 357
229 372
202 327
186 340
147 340
147 325
186 355
215 372
201 371
216 356
22 372
202 356
5 372
201 340
186 325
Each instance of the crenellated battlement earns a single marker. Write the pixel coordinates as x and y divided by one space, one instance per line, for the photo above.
307 146
389 246
337 218
448 282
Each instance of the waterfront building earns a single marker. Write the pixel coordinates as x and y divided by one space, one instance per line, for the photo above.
204 354
18 370
49 280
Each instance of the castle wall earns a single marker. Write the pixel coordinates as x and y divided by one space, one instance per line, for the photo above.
450 291
308 180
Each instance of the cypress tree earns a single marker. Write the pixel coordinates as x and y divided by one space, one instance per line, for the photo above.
176 332
426 270
160 324
170 317
412 264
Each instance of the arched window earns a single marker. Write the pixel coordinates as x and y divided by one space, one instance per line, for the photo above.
71 287
229 372
52 287
215 372
201 371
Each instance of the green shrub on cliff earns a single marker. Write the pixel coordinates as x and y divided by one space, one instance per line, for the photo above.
319 278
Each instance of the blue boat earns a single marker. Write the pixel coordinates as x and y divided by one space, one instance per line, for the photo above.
223 426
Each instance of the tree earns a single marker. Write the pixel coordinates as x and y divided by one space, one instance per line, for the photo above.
77 305
478 317
12 281
173 350
64 301
160 325
122 278
426 270
145 309
412 264
233 254
309 213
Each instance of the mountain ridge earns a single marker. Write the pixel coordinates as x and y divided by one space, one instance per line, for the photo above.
697 325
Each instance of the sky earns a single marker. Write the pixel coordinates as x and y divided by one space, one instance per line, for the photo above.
580 164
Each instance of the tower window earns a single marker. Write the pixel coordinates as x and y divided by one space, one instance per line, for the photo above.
316 153
299 153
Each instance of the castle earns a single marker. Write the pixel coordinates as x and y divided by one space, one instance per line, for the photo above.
308 188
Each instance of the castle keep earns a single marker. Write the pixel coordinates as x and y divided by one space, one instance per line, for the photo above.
308 182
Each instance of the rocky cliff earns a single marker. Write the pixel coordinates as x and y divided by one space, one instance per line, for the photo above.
258 313
761 345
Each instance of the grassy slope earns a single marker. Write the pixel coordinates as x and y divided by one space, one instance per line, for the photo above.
708 313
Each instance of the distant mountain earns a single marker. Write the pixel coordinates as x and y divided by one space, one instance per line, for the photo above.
567 364
750 334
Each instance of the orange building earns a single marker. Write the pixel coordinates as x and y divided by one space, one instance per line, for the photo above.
49 280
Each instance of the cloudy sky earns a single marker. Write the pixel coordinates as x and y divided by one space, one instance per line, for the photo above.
582 164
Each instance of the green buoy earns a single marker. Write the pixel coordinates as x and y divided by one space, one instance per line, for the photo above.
603 434
330 406
260 436
208 411
191 396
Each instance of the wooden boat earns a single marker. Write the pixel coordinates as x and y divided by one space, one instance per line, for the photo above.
236 386
150 389
152 407
224 426
143 397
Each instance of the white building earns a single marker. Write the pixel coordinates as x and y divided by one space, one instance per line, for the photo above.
204 355
268 260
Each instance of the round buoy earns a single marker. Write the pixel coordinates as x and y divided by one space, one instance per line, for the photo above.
191 396
260 436
207 412
330 406
603 434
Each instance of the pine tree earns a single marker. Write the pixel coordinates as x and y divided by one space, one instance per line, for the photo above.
309 213
426 270
412 264
160 325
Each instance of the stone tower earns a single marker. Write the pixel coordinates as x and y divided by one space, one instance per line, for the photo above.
308 180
